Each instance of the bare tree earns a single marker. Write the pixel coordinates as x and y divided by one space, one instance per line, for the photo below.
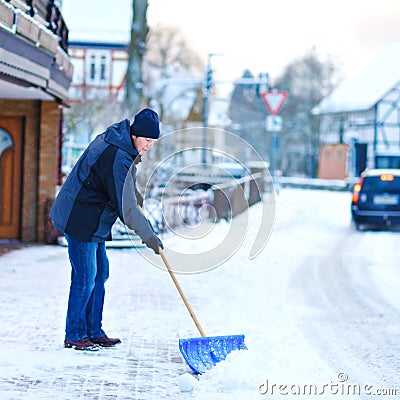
247 113
85 119
168 51
137 49
308 80
169 63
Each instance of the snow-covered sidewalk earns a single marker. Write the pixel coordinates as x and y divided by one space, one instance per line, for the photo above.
256 298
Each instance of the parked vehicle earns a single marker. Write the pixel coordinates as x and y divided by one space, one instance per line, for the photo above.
376 199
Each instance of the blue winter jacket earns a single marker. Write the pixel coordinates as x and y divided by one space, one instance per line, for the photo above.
101 188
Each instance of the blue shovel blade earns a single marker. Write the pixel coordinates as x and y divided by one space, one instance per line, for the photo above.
201 354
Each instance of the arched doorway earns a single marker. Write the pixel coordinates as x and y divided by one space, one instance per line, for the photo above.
10 177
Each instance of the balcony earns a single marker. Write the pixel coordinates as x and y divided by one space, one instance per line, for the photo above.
34 61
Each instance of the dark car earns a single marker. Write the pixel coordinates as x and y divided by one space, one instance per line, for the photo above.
376 198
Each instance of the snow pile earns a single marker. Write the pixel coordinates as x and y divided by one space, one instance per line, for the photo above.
187 382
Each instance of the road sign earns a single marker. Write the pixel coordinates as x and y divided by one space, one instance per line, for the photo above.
274 100
273 123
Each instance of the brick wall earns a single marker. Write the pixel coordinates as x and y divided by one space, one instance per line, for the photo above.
40 160
48 158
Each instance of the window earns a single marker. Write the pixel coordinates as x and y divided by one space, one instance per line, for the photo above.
387 161
377 185
98 67
5 141
103 67
92 73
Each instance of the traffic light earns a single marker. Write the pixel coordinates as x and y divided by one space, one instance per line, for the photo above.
263 85
209 78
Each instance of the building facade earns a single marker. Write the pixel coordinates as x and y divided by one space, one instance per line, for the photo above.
35 74
364 114
99 69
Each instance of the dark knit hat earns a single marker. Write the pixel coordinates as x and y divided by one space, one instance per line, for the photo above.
146 124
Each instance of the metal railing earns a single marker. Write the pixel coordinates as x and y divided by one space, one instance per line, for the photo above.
183 210
226 201
48 13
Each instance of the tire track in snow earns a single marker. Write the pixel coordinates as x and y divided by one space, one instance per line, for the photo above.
351 325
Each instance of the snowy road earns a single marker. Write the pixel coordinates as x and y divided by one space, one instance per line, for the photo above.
319 308
354 326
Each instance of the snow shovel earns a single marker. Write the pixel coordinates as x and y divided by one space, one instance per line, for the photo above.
201 354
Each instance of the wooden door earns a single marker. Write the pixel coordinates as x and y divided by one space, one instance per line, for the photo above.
10 177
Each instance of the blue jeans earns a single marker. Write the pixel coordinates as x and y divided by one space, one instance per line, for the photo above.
90 270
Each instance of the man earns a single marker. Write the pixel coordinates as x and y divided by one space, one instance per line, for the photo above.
100 188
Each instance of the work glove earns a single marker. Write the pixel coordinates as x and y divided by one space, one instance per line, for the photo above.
153 243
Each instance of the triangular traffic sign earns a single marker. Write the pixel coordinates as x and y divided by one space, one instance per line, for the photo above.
274 100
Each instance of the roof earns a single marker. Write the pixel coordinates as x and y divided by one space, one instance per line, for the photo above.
377 172
28 71
85 44
362 92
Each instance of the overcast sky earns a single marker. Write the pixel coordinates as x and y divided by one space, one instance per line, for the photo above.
261 35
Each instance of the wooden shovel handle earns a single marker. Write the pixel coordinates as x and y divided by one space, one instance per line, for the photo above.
178 286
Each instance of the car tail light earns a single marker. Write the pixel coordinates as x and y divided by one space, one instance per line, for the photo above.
356 191
387 177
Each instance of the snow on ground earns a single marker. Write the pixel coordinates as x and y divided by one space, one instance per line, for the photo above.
262 298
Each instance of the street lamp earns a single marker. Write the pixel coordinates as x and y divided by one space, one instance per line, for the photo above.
208 83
